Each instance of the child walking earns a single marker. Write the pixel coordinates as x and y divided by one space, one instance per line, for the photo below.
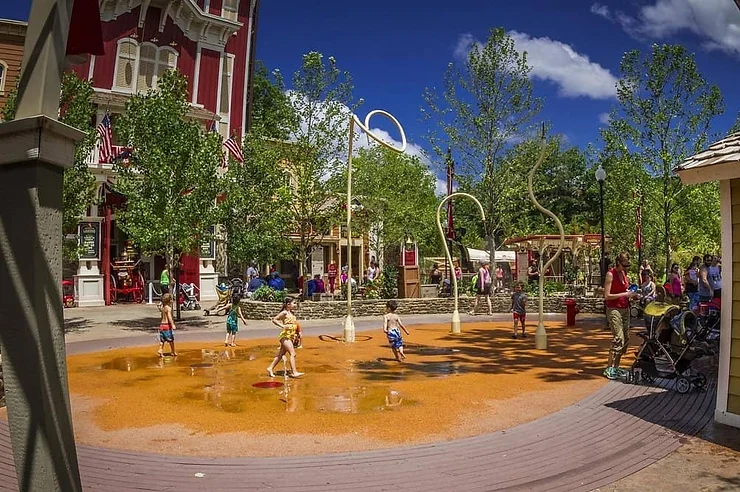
166 325
519 308
288 324
392 327
232 320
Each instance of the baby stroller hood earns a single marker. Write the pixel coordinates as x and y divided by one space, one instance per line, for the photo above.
684 325
654 313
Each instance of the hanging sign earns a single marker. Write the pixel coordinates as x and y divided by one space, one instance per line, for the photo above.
208 246
89 240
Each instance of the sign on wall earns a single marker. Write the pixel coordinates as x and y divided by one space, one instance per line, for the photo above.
317 261
89 240
208 246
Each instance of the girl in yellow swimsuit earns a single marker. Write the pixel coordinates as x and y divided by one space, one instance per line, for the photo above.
288 324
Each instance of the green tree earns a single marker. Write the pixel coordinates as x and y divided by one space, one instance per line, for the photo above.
321 99
664 113
272 113
397 193
486 105
171 180
735 126
254 211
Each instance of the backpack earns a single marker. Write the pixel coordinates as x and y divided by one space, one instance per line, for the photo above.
474 282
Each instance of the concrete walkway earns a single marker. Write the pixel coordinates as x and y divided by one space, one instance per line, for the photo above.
604 438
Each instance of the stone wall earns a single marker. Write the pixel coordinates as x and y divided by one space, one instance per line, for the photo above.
376 307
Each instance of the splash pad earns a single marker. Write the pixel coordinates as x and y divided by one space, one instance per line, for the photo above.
212 400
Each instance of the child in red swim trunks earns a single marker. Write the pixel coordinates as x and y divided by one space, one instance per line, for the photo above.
519 308
166 325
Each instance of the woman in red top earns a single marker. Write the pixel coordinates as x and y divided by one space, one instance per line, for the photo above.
617 299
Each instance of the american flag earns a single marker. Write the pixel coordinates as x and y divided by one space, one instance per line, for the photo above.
233 147
105 133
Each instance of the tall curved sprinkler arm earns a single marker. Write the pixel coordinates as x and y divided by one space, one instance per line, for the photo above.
540 338
349 326
455 328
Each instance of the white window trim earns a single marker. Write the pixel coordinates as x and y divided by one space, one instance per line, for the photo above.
225 117
4 76
135 76
196 75
157 49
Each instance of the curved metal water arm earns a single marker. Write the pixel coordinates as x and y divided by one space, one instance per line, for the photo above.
455 313
349 328
541 336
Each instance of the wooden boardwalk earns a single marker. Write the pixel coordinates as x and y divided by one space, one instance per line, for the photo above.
603 438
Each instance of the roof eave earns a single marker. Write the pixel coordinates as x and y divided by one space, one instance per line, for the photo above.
715 172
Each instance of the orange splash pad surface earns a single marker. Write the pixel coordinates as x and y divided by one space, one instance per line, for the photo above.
352 397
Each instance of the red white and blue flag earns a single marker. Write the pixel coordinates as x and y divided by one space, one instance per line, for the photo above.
233 147
106 136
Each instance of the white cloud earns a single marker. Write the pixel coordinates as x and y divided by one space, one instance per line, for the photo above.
715 22
604 118
441 188
361 139
600 10
574 73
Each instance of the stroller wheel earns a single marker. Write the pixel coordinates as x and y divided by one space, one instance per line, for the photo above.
683 385
700 380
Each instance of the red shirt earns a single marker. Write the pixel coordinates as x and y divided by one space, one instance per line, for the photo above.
619 285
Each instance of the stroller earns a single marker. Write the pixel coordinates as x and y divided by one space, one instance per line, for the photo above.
668 348
708 317
188 297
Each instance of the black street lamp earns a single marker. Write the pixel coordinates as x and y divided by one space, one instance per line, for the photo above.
601 177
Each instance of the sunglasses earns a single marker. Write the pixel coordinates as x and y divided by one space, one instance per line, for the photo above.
626 265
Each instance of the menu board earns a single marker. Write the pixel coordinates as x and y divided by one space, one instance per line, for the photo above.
89 240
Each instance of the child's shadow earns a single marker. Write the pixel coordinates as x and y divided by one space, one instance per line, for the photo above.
386 359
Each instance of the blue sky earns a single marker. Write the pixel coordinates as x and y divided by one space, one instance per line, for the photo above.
394 49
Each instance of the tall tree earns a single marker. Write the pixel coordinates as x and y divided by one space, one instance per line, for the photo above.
397 193
272 113
322 100
171 180
664 113
486 105
254 211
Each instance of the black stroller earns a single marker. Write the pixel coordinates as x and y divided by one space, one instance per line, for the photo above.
668 348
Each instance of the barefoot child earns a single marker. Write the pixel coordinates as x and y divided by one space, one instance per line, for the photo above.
392 327
166 325
288 323
232 320
519 308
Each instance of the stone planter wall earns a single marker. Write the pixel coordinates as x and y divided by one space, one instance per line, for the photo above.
438 305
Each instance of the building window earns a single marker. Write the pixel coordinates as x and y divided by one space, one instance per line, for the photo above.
224 103
128 52
139 66
230 10
3 74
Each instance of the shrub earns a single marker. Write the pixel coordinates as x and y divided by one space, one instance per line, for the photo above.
268 294
388 288
372 289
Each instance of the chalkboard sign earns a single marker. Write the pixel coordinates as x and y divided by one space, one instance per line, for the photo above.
89 237
208 246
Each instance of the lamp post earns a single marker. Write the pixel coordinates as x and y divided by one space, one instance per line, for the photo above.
601 177
540 336
455 328
349 326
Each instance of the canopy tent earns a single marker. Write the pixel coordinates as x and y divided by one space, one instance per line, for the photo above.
478 255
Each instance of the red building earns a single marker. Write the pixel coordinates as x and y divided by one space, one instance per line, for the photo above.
212 42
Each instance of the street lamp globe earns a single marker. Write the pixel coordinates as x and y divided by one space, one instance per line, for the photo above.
600 174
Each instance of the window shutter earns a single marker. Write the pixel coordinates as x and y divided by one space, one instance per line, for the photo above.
146 75
225 85
230 10
125 65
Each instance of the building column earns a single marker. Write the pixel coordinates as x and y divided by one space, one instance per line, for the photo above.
208 280
89 278
35 151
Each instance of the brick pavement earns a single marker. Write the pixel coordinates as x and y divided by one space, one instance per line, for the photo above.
613 433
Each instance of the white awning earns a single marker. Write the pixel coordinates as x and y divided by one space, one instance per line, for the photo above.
480 255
